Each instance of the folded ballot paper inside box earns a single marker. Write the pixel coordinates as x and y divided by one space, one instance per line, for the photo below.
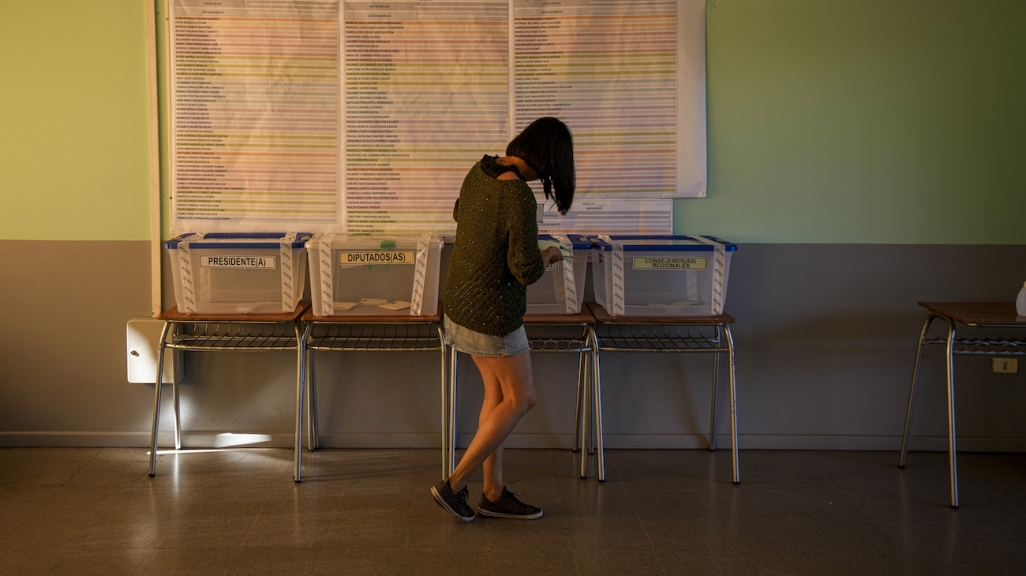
238 273
661 275
374 275
560 290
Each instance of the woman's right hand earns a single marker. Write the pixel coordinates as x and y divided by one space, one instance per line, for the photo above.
550 255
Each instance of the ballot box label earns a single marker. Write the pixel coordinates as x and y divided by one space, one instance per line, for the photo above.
670 263
378 257
236 261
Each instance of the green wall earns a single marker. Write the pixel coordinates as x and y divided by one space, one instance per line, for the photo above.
864 121
74 148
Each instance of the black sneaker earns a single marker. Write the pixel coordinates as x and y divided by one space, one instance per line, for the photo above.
455 503
507 506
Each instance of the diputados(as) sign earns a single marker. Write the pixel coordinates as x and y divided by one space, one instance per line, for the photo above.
670 263
377 257
215 261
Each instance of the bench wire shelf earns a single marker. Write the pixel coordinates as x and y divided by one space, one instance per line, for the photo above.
982 346
233 335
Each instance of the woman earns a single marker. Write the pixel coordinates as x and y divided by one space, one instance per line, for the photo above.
495 257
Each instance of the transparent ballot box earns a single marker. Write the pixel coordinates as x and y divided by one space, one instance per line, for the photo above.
245 273
561 288
374 275
661 275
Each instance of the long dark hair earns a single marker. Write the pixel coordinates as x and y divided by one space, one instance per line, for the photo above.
547 146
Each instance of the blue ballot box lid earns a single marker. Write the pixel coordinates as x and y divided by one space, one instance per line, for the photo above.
658 243
238 240
579 241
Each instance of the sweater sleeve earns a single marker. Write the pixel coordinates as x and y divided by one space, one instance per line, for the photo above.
523 256
456 211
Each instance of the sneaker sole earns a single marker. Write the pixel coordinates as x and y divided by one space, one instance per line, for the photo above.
441 502
535 516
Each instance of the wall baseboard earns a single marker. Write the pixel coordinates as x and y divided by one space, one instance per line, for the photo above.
549 441
64 439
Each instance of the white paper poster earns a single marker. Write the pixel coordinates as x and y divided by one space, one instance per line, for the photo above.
427 94
254 115
609 70
365 117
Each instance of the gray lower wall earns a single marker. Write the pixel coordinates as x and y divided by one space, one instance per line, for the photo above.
825 340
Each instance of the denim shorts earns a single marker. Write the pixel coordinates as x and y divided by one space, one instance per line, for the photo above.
477 344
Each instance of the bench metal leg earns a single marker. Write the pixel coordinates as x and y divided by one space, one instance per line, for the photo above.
313 430
585 428
601 450
912 390
445 403
581 376
953 464
589 431
733 404
156 398
176 369
311 409
595 408
585 384
452 411
300 377
715 393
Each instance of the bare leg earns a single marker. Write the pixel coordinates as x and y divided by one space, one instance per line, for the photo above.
516 384
492 467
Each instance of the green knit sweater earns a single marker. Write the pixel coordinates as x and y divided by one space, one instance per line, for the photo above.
496 254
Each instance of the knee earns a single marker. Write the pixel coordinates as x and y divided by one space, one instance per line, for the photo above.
529 401
526 402
522 403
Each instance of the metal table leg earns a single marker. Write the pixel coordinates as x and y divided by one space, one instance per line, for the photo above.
588 413
300 374
712 414
950 380
445 403
452 410
581 375
313 426
586 381
156 398
951 413
733 405
633 341
585 430
341 336
589 432
913 388
176 370
313 429
597 403
218 335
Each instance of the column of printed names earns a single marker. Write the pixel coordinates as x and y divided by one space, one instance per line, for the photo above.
427 94
255 114
608 68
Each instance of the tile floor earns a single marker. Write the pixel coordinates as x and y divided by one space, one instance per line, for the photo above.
86 511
